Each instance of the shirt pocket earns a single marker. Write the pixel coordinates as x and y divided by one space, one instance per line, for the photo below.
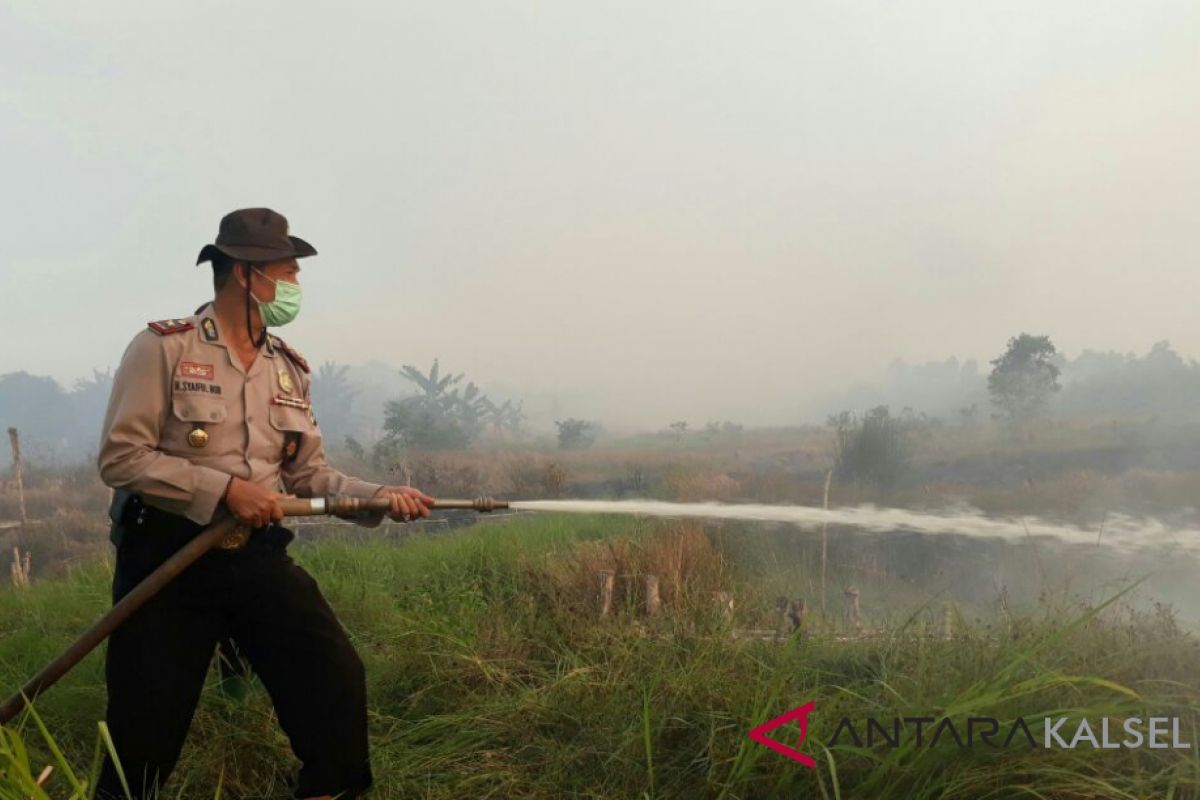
198 409
287 419
295 429
195 426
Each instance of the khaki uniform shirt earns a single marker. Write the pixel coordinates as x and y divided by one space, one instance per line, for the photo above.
185 415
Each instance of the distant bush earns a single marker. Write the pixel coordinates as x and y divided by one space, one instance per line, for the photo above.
441 416
725 428
413 423
875 449
575 434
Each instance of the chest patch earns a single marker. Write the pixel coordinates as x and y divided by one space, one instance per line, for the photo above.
192 369
291 402
196 386
291 445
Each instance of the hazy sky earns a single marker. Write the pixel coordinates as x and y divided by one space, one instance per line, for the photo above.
650 210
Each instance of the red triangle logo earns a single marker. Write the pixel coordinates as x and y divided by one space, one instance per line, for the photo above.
799 715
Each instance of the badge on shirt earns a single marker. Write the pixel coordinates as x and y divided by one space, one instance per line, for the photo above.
291 445
190 369
285 382
210 329
197 437
291 402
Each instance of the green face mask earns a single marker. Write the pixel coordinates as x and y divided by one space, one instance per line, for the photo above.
284 308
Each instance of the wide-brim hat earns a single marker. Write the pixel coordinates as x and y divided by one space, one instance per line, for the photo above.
255 234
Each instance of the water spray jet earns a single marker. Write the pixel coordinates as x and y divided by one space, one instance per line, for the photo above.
1122 533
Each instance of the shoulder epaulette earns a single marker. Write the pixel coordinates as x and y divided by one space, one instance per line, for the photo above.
295 356
164 326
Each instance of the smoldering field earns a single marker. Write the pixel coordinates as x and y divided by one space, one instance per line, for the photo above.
1073 506
493 673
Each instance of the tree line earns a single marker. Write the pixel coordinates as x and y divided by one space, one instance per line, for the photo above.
446 411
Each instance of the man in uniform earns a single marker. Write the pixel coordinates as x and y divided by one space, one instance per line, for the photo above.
211 414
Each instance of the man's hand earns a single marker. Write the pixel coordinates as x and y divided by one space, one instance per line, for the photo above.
407 502
252 504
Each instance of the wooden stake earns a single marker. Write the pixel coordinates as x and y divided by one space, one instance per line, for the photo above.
606 580
783 626
650 593
853 612
948 622
793 616
725 604
20 568
798 614
18 471
825 542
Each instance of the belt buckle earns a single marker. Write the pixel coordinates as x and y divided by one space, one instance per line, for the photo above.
235 539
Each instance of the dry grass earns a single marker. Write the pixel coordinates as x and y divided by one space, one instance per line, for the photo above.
1074 471
683 559
487 678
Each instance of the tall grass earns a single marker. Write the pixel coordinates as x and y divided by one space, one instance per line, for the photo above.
491 676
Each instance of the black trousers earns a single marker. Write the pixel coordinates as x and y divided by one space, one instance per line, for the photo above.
157 661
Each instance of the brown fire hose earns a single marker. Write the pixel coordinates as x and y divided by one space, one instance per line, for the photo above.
227 534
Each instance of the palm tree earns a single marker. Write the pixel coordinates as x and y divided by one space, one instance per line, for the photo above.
506 417
441 404
435 388
333 399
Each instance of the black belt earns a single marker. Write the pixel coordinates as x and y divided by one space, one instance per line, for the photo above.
137 517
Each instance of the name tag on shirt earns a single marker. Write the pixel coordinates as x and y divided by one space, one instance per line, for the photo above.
192 369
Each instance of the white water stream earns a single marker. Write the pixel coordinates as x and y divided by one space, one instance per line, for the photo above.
1118 532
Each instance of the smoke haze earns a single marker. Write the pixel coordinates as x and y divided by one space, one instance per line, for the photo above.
628 211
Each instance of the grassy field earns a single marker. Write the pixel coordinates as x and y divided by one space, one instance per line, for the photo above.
491 674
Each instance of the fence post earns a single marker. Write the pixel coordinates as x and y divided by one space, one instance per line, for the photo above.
798 614
650 592
18 471
948 622
825 545
20 568
853 611
606 581
793 616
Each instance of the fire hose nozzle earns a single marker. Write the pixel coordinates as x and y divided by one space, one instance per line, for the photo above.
347 506
480 504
